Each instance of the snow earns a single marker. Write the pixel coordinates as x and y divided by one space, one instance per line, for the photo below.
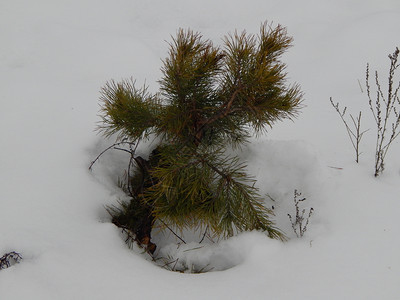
55 56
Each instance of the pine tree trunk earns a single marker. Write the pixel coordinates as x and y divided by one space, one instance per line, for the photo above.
145 223
143 233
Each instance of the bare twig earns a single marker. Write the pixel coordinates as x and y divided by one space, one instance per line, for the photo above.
387 118
354 135
297 224
113 146
359 84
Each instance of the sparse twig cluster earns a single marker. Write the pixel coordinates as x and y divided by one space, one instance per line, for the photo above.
298 225
355 134
8 259
386 112
171 263
385 109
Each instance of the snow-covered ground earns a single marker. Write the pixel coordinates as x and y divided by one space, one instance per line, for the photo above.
55 56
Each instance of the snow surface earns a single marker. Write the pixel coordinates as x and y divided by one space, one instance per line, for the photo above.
55 56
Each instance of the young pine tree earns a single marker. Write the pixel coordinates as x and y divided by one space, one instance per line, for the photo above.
211 98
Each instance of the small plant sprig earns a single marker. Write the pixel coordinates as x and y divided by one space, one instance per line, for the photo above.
297 224
8 259
386 112
355 134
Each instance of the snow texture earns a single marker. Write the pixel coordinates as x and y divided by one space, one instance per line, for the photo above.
55 56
